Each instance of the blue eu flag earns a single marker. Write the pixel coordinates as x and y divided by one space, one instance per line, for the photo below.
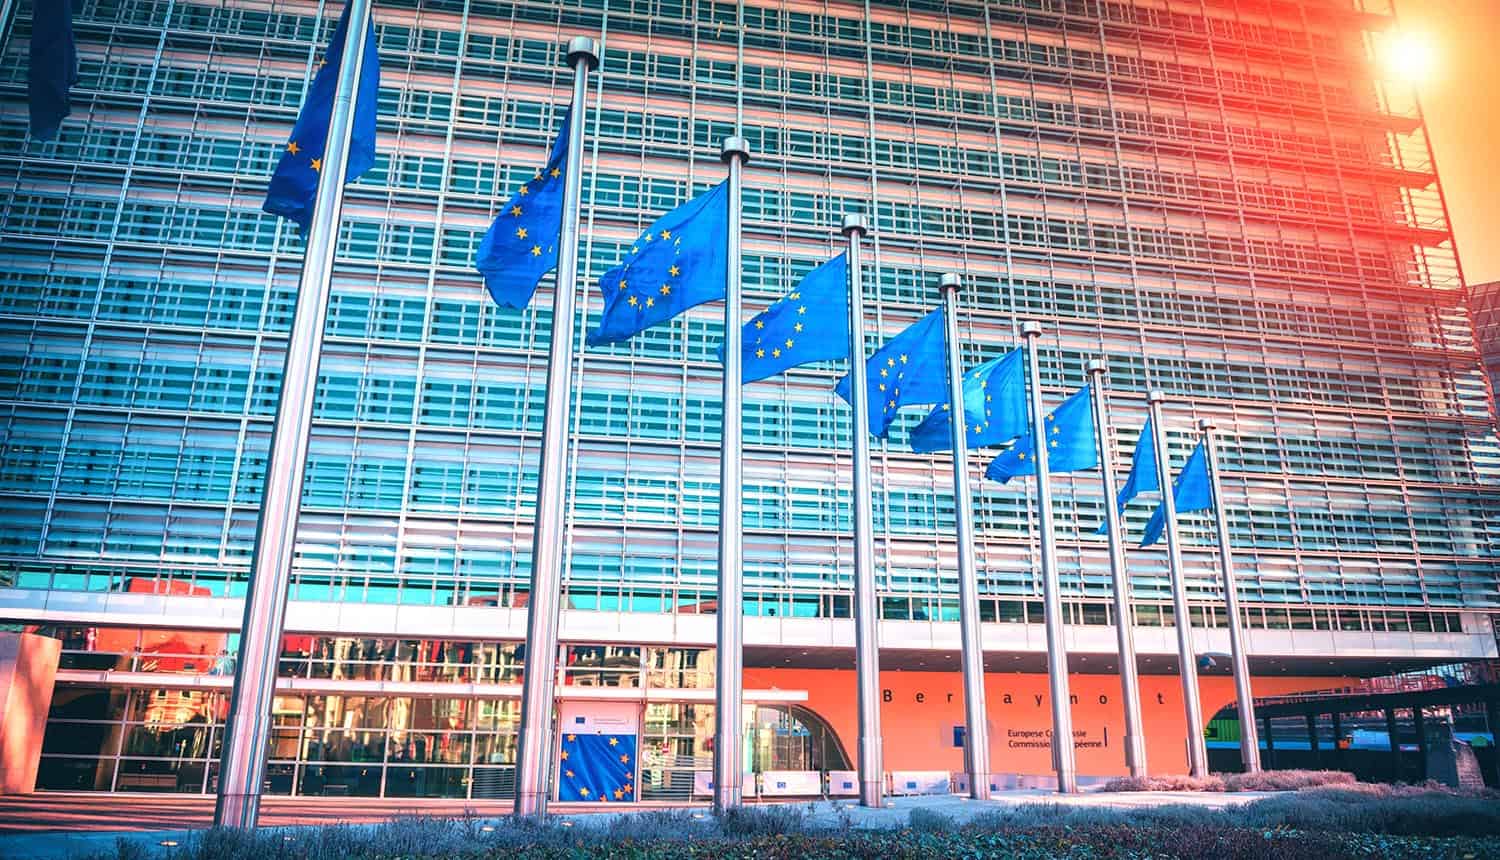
677 263
521 244
597 768
1191 491
1142 478
54 66
294 185
1070 443
910 369
994 407
811 323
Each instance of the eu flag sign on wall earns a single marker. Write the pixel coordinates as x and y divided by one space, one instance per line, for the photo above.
294 185
597 768
909 369
54 66
680 261
521 244
1070 442
994 407
1191 491
811 323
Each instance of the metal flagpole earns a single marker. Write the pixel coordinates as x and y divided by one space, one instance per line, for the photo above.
1245 701
1130 687
248 726
1187 667
866 609
534 745
1057 649
729 680
976 729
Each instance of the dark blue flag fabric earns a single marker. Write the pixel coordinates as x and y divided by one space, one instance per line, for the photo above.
1191 490
910 369
54 66
1142 478
1070 442
994 407
811 323
294 185
677 263
521 245
597 768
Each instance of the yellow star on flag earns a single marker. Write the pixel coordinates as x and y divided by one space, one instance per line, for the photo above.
556 173
674 271
760 353
516 211
520 232
317 164
536 250
614 742
292 147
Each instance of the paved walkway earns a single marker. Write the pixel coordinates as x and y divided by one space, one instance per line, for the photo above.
59 826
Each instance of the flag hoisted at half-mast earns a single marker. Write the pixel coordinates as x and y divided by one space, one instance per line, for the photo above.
909 370
521 244
54 66
677 263
811 323
1191 491
1142 477
1070 443
294 185
994 407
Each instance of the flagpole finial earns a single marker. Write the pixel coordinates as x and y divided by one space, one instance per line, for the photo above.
582 49
734 145
1095 367
1031 328
1207 424
854 224
1156 395
949 281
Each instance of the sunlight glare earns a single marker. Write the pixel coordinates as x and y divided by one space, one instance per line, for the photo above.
1410 57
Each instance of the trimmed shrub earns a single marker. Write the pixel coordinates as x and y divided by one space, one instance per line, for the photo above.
929 821
748 822
1178 782
1286 780
1399 811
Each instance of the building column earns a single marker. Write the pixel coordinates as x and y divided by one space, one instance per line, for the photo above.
1390 728
28 671
1421 726
1338 737
1312 739
1270 743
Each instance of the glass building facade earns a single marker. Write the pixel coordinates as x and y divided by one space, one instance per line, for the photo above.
1220 197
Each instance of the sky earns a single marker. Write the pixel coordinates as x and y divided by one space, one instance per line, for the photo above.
1460 97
